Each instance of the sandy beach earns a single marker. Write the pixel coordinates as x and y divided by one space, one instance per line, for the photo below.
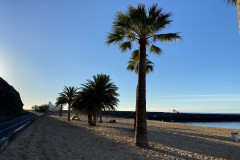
53 137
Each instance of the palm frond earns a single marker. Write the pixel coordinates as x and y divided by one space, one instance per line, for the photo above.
114 38
130 66
153 13
122 20
232 2
125 46
61 100
134 62
156 50
149 66
161 21
135 54
169 37
137 15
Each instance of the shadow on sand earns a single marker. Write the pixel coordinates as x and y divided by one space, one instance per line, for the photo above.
182 140
80 142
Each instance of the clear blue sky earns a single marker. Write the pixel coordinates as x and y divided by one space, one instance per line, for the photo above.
45 45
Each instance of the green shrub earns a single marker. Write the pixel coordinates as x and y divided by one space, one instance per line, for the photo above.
42 108
35 107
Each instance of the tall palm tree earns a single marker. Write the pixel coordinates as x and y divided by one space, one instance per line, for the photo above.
236 3
97 94
60 101
68 94
138 25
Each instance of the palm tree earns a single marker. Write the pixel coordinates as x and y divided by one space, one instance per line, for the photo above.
97 95
68 94
60 101
83 102
236 3
136 25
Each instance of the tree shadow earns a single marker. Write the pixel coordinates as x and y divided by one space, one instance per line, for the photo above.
83 143
187 133
194 144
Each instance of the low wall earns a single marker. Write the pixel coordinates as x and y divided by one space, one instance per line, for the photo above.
5 142
179 117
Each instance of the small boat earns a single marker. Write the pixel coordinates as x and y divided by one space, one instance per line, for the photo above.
175 111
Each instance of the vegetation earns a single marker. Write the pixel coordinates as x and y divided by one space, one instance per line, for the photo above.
236 3
60 101
138 25
67 97
42 108
134 63
96 95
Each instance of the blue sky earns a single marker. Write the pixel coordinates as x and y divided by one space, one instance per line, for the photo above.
45 45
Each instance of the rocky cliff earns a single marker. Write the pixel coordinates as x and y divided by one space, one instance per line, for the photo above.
10 100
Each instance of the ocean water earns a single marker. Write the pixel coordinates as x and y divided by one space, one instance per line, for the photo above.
230 125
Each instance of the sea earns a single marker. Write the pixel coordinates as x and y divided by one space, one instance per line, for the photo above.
229 125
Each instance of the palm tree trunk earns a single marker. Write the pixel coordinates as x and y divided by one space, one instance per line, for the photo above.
60 112
105 113
94 119
100 115
238 8
141 138
68 112
135 110
89 119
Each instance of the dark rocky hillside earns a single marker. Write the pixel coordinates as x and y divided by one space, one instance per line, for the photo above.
10 100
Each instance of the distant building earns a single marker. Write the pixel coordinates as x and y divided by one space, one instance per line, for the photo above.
52 107
175 111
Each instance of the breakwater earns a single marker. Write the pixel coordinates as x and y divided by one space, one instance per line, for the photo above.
179 117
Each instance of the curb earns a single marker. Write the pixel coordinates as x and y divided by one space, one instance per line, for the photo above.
4 142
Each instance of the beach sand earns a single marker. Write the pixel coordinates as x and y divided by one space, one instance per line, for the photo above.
53 137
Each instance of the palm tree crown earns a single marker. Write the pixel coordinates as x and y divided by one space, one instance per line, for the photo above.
60 101
69 93
67 96
137 25
104 91
97 94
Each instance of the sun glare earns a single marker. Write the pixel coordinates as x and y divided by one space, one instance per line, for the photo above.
4 68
